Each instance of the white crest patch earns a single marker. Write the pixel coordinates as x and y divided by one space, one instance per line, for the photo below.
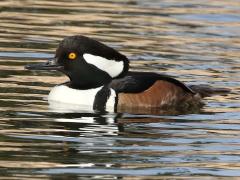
112 67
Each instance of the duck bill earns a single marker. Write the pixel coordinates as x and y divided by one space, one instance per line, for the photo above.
51 64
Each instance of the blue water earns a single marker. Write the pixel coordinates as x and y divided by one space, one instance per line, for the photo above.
196 42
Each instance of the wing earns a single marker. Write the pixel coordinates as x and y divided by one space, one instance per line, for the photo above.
136 82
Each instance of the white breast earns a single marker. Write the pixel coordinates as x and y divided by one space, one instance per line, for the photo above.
64 97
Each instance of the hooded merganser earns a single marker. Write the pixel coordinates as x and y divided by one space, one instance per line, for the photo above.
99 78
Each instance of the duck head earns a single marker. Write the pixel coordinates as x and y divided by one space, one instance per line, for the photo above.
87 62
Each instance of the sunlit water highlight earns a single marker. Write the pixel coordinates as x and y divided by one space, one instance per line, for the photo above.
197 42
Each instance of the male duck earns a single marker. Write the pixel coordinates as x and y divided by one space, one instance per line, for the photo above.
99 79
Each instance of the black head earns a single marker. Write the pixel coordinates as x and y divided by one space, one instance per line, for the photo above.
88 63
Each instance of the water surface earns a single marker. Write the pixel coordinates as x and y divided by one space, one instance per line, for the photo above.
196 42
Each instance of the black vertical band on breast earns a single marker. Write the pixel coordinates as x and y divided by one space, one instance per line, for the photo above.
101 98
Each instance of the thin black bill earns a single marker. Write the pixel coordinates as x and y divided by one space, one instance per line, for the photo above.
49 65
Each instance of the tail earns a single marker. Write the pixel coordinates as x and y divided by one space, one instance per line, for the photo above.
206 90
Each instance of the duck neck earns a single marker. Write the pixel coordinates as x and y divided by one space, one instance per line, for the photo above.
84 85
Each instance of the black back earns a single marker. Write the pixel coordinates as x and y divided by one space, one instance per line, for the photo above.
135 82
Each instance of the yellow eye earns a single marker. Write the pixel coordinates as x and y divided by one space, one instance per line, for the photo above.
72 55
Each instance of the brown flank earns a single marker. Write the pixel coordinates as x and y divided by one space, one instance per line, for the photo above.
160 94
